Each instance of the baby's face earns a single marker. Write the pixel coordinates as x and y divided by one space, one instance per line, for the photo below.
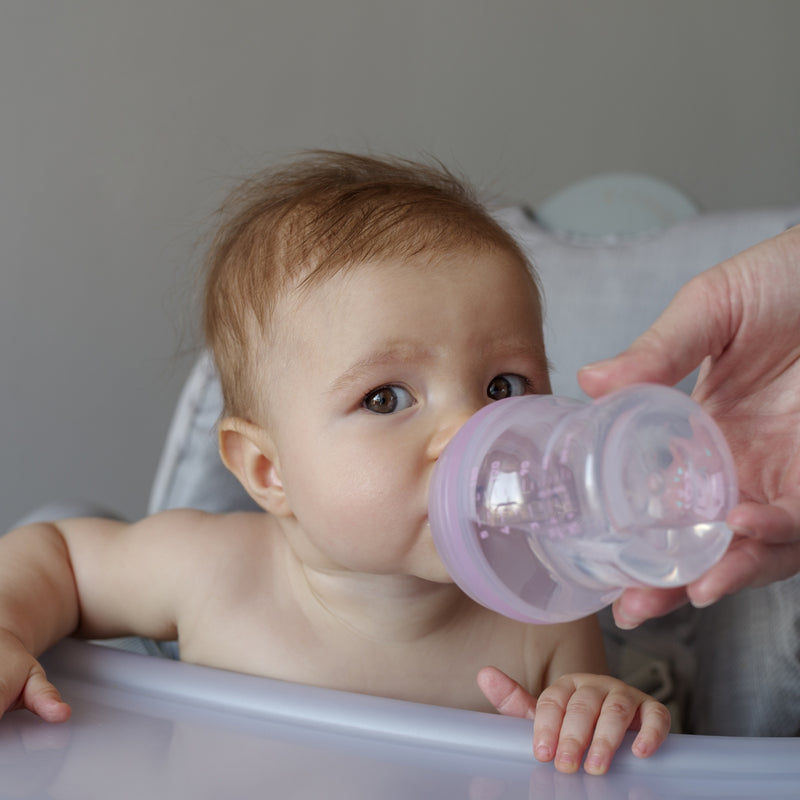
379 367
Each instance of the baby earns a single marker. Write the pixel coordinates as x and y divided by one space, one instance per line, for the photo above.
359 311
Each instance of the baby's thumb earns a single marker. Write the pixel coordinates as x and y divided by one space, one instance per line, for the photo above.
43 699
505 694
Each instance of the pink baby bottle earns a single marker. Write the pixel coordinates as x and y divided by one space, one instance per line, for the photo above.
544 508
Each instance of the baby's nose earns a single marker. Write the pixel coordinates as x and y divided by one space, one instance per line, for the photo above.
446 430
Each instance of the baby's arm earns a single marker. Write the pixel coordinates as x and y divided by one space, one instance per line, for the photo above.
64 578
38 606
580 710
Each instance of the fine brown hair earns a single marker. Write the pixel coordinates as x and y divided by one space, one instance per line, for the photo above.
323 212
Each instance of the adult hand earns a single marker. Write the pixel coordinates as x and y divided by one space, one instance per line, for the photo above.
741 319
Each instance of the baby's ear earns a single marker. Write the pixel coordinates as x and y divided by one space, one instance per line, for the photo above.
248 452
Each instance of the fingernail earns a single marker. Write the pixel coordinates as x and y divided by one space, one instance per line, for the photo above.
594 765
625 622
566 763
643 748
542 752
701 599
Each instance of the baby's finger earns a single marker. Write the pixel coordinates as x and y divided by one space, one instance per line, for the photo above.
563 724
580 721
616 715
655 723
505 694
43 699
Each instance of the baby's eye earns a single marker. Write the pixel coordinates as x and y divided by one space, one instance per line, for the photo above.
507 385
387 400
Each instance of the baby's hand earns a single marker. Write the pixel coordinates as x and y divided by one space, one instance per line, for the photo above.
23 683
580 711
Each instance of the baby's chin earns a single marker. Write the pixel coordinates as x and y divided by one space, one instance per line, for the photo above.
433 568
436 573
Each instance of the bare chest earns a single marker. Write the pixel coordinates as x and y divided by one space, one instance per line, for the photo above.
439 669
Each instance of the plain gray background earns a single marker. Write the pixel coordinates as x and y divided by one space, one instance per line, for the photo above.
123 123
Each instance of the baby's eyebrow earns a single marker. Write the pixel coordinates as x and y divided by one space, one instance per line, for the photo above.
510 347
513 348
394 354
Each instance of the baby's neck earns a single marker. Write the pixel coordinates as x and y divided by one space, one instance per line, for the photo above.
384 608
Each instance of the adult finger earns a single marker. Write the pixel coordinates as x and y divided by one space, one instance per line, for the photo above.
638 604
776 523
748 563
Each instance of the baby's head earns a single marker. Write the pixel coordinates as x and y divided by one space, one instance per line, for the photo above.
326 212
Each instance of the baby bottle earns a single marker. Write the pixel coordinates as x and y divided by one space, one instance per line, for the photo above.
545 508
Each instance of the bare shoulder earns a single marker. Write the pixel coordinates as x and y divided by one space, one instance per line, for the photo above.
141 577
204 536
183 526
168 547
578 647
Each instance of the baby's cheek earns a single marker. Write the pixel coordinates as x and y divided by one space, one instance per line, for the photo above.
363 491
373 479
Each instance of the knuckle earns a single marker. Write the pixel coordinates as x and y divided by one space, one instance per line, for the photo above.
549 703
515 699
582 706
573 742
660 714
618 709
603 744
9 694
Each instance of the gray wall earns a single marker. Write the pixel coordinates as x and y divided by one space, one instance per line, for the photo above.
122 124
